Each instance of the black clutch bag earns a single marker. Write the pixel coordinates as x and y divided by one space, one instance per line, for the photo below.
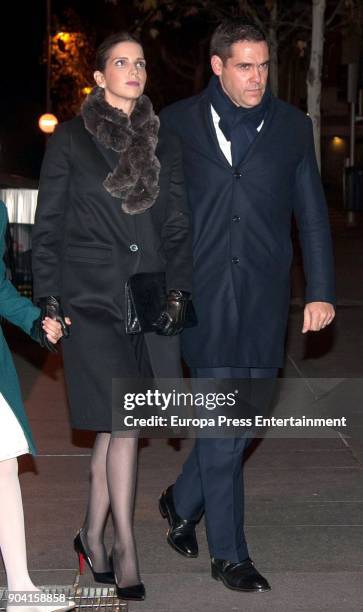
145 296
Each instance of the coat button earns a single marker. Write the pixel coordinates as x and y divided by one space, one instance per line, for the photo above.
237 175
235 260
134 248
236 219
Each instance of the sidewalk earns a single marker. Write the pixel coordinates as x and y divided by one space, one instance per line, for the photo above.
304 508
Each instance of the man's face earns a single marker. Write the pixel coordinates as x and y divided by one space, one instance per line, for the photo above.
243 76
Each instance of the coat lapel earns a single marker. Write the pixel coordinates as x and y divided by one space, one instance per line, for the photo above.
107 157
211 136
111 157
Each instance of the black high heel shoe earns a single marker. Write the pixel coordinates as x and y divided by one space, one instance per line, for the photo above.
83 557
136 592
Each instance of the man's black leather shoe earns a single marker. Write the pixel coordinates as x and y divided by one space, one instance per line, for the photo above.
241 576
181 533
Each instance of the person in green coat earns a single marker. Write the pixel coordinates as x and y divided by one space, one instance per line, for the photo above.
15 436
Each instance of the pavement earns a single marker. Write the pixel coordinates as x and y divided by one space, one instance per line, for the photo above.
304 496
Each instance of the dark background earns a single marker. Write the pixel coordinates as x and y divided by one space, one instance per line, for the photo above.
178 66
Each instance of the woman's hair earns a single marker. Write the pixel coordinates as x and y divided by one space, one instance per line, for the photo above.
104 50
231 31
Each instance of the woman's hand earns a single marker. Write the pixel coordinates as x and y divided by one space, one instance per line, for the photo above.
51 307
48 331
53 329
171 320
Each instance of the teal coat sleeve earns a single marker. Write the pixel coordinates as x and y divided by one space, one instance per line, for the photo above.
13 307
21 312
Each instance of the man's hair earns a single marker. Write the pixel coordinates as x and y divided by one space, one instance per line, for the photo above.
231 31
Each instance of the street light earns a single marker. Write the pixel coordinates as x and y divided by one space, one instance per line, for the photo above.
47 123
63 36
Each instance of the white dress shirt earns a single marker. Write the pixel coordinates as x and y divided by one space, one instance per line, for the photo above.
225 144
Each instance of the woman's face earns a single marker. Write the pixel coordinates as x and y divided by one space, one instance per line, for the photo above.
124 76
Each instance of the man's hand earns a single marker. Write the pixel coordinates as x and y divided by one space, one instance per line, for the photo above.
317 315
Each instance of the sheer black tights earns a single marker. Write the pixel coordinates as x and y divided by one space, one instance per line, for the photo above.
112 487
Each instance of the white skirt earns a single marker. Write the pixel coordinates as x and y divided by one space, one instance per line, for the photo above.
12 438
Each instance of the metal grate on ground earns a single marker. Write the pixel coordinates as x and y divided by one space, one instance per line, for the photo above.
100 599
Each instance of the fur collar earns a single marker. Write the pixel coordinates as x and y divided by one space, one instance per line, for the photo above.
135 178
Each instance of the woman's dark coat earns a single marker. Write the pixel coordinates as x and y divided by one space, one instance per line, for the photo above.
241 219
21 312
85 248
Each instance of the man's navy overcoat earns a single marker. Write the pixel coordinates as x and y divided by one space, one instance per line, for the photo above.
242 246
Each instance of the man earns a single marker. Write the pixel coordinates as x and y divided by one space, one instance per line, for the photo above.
249 165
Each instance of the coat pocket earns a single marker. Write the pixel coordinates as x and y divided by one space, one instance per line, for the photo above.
88 252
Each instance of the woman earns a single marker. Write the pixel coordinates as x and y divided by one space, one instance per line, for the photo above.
111 204
15 435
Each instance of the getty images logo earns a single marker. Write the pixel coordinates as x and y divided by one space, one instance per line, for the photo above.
176 399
